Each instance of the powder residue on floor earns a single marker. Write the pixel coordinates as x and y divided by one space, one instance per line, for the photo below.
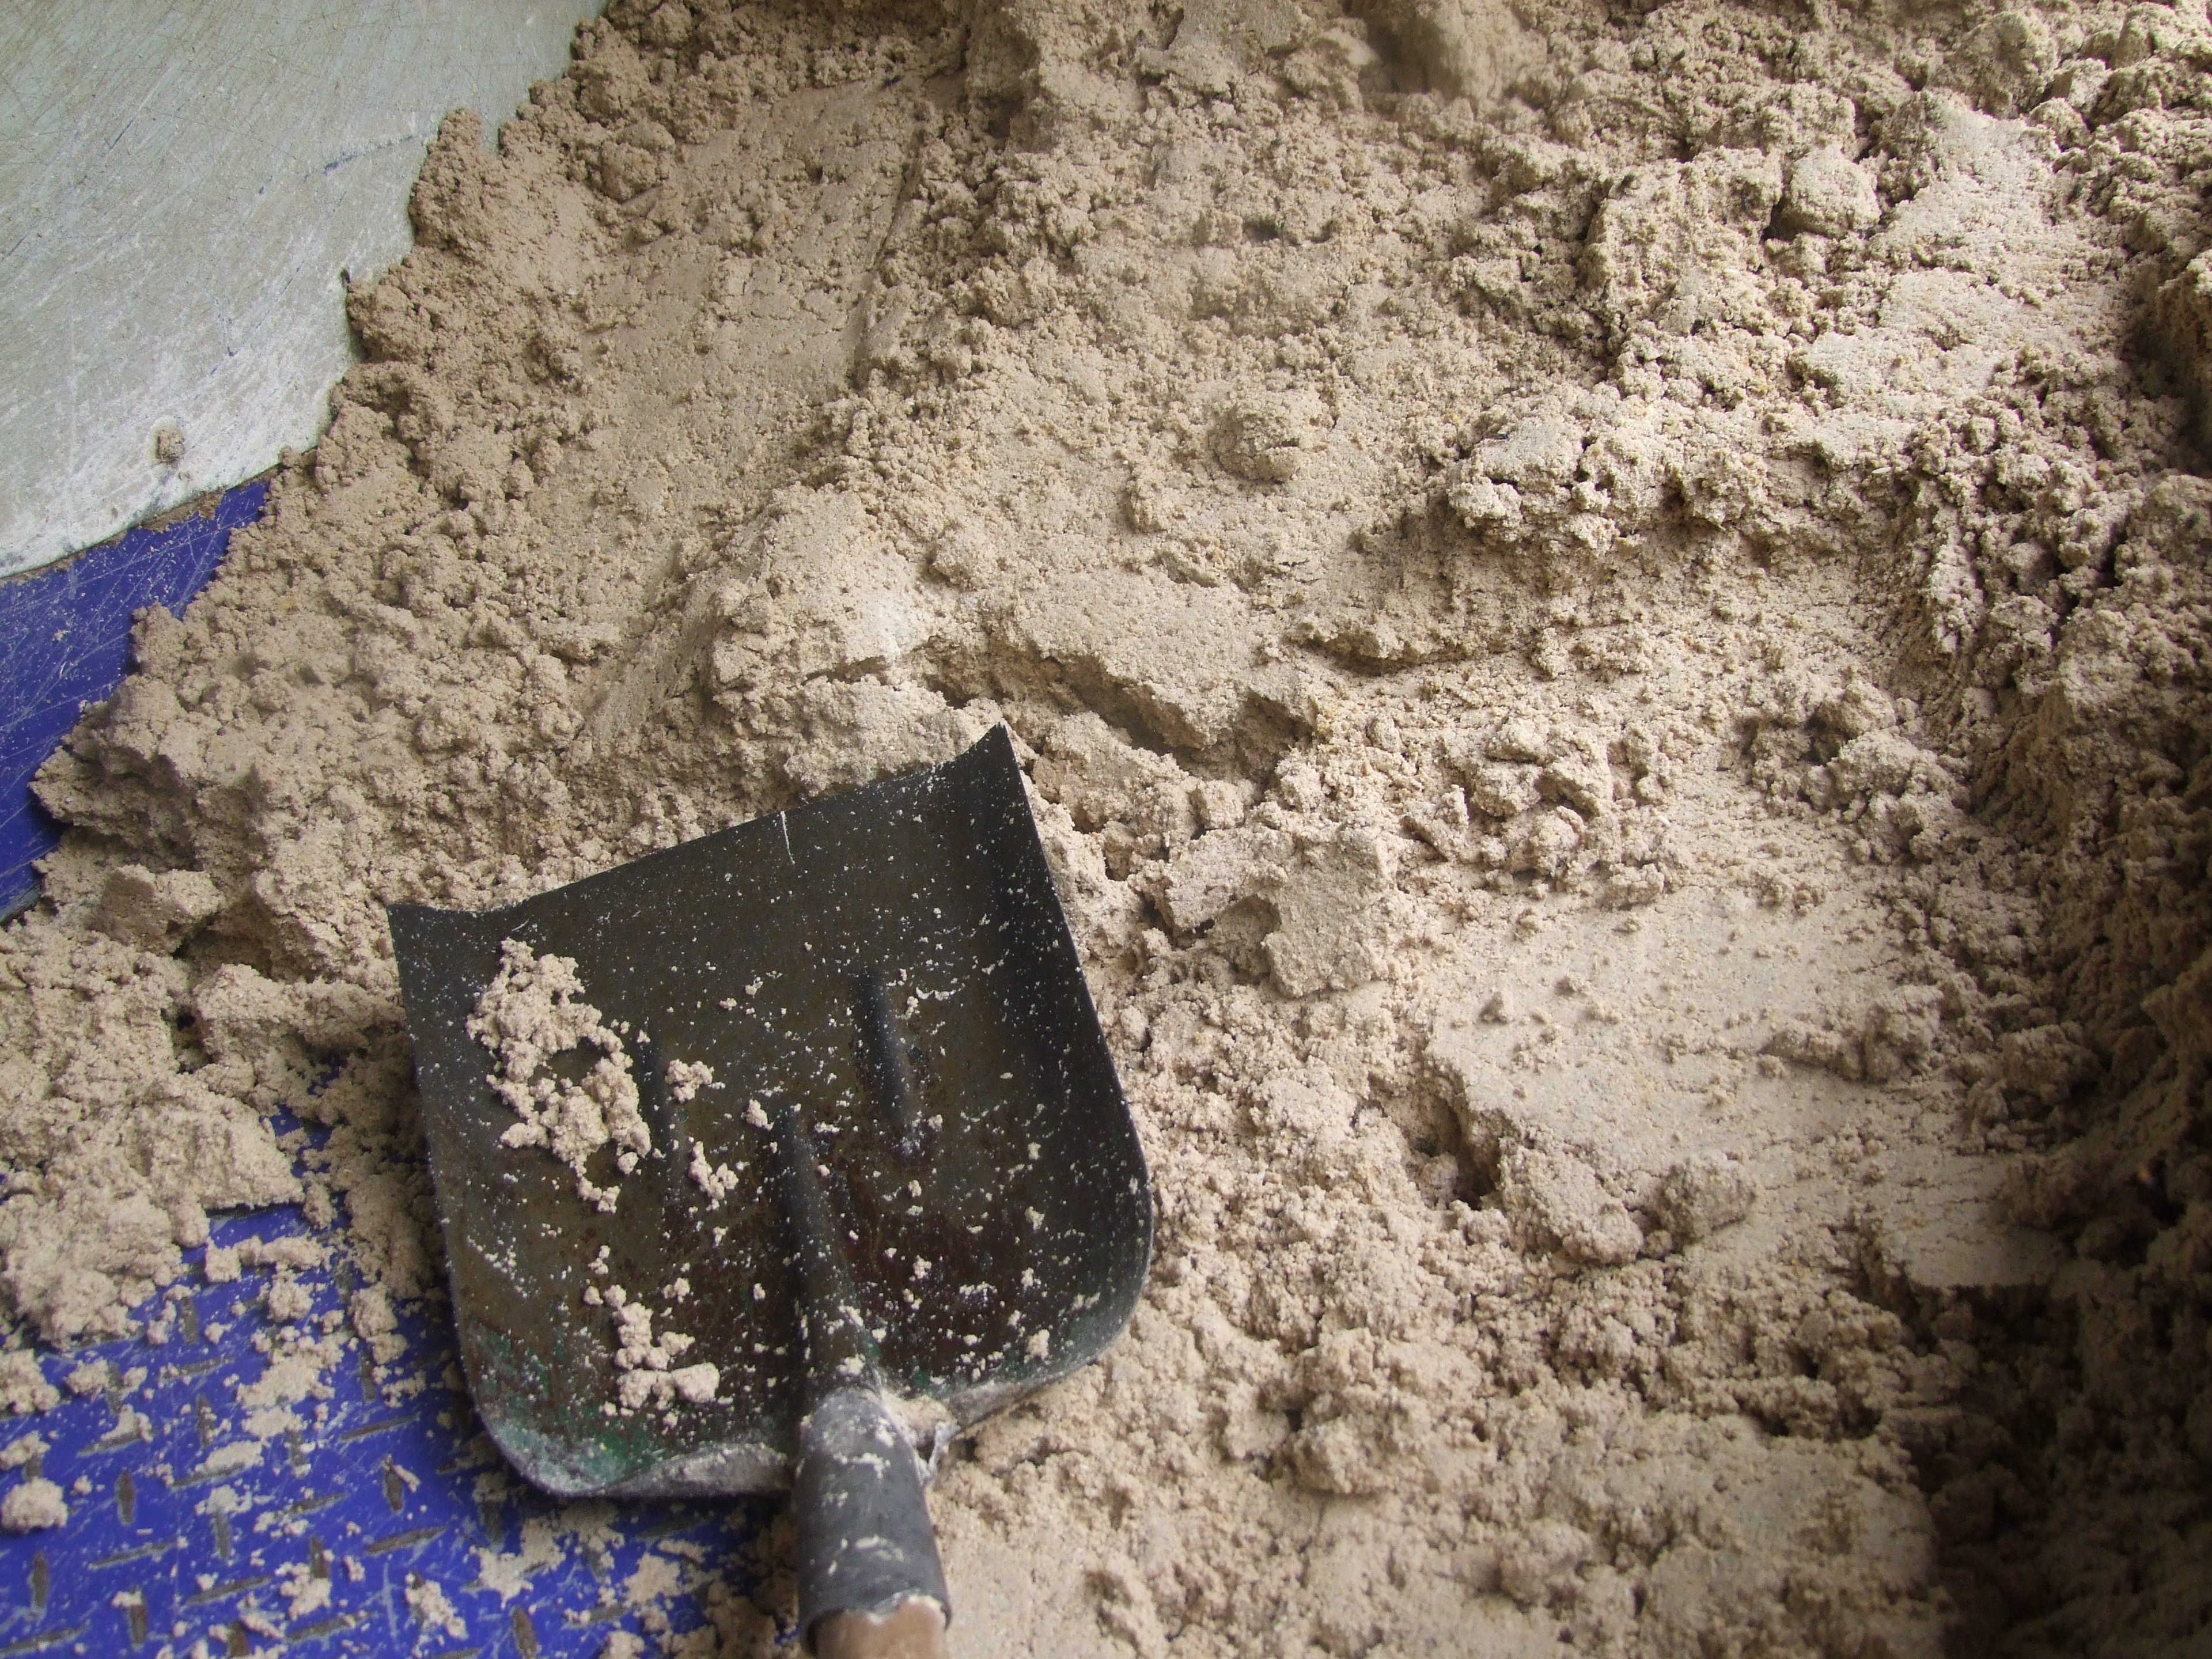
1608 614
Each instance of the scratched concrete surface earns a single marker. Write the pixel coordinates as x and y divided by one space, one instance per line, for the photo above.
186 182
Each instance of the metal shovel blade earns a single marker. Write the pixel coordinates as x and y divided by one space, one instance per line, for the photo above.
892 965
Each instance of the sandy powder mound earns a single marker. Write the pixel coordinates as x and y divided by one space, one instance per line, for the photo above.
1608 615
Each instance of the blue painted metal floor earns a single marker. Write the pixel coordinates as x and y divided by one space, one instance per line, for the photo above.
185 1535
195 1532
65 641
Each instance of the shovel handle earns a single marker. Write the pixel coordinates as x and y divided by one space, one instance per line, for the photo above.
914 1629
870 1583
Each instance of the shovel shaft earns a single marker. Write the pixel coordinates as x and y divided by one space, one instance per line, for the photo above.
839 1350
866 1544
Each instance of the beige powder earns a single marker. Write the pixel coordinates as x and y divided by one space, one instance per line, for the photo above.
648 1376
33 1504
531 1014
1607 615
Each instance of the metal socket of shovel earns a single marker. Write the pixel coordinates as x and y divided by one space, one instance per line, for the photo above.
910 1194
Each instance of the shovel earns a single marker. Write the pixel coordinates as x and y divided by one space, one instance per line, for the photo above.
844 1120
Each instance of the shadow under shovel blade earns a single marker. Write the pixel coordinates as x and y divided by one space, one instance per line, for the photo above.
1001 1247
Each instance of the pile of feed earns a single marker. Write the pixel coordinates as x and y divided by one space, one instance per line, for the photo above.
1609 612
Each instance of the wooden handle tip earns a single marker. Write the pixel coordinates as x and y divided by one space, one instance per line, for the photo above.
914 1629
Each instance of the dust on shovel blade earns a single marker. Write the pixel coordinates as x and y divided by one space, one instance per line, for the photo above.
996 1243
